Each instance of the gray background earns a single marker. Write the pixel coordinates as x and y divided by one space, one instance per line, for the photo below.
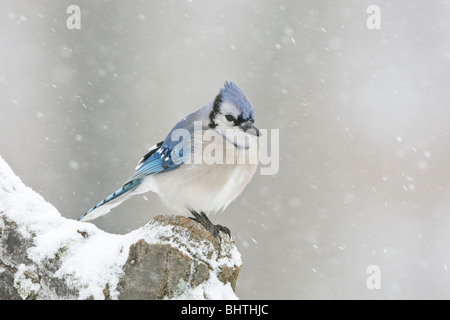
363 118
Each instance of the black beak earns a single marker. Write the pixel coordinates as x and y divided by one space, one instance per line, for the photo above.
250 128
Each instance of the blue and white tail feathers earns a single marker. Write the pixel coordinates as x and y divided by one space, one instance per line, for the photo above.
113 200
157 160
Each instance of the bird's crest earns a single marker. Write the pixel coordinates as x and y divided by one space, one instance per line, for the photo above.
232 93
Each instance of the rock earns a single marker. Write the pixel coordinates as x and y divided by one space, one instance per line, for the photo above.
46 256
158 271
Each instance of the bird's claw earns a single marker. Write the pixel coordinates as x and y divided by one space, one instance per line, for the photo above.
215 229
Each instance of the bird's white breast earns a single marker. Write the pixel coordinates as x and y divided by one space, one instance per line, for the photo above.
209 188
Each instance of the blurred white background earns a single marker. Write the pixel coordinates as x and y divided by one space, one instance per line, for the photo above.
364 120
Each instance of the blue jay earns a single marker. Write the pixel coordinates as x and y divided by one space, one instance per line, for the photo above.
200 187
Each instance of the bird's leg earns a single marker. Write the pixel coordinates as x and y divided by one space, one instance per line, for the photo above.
204 221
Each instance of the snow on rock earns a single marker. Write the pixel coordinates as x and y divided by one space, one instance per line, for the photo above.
46 256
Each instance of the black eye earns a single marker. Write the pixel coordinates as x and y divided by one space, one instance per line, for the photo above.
230 117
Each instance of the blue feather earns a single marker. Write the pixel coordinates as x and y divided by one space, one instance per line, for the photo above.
167 157
127 187
233 94
164 157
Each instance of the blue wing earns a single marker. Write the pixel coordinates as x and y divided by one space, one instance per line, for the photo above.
163 157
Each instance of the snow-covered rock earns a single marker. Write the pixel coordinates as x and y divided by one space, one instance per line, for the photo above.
46 256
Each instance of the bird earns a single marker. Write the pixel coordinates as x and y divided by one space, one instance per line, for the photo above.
186 177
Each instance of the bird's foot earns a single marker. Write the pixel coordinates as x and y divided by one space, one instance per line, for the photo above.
215 229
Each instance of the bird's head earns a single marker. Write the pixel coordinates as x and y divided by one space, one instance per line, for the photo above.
233 114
